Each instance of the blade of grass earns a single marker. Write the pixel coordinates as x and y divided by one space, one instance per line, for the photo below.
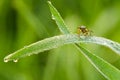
106 69
49 43
98 40
59 21
56 41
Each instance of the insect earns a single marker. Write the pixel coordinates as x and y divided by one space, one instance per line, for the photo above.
82 30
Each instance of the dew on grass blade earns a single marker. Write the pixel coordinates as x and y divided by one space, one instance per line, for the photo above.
15 60
53 17
5 60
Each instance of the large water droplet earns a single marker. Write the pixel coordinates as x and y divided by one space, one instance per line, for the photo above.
15 60
5 60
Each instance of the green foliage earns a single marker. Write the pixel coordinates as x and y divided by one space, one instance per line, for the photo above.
23 22
102 66
56 41
106 69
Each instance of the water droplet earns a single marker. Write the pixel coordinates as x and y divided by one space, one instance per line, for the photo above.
5 60
15 60
53 17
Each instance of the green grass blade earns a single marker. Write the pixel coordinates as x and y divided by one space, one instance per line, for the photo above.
56 16
107 70
56 41
99 40
114 73
115 46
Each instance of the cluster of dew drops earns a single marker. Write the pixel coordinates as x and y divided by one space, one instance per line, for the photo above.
6 60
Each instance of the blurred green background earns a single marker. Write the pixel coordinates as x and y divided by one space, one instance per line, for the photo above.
23 22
